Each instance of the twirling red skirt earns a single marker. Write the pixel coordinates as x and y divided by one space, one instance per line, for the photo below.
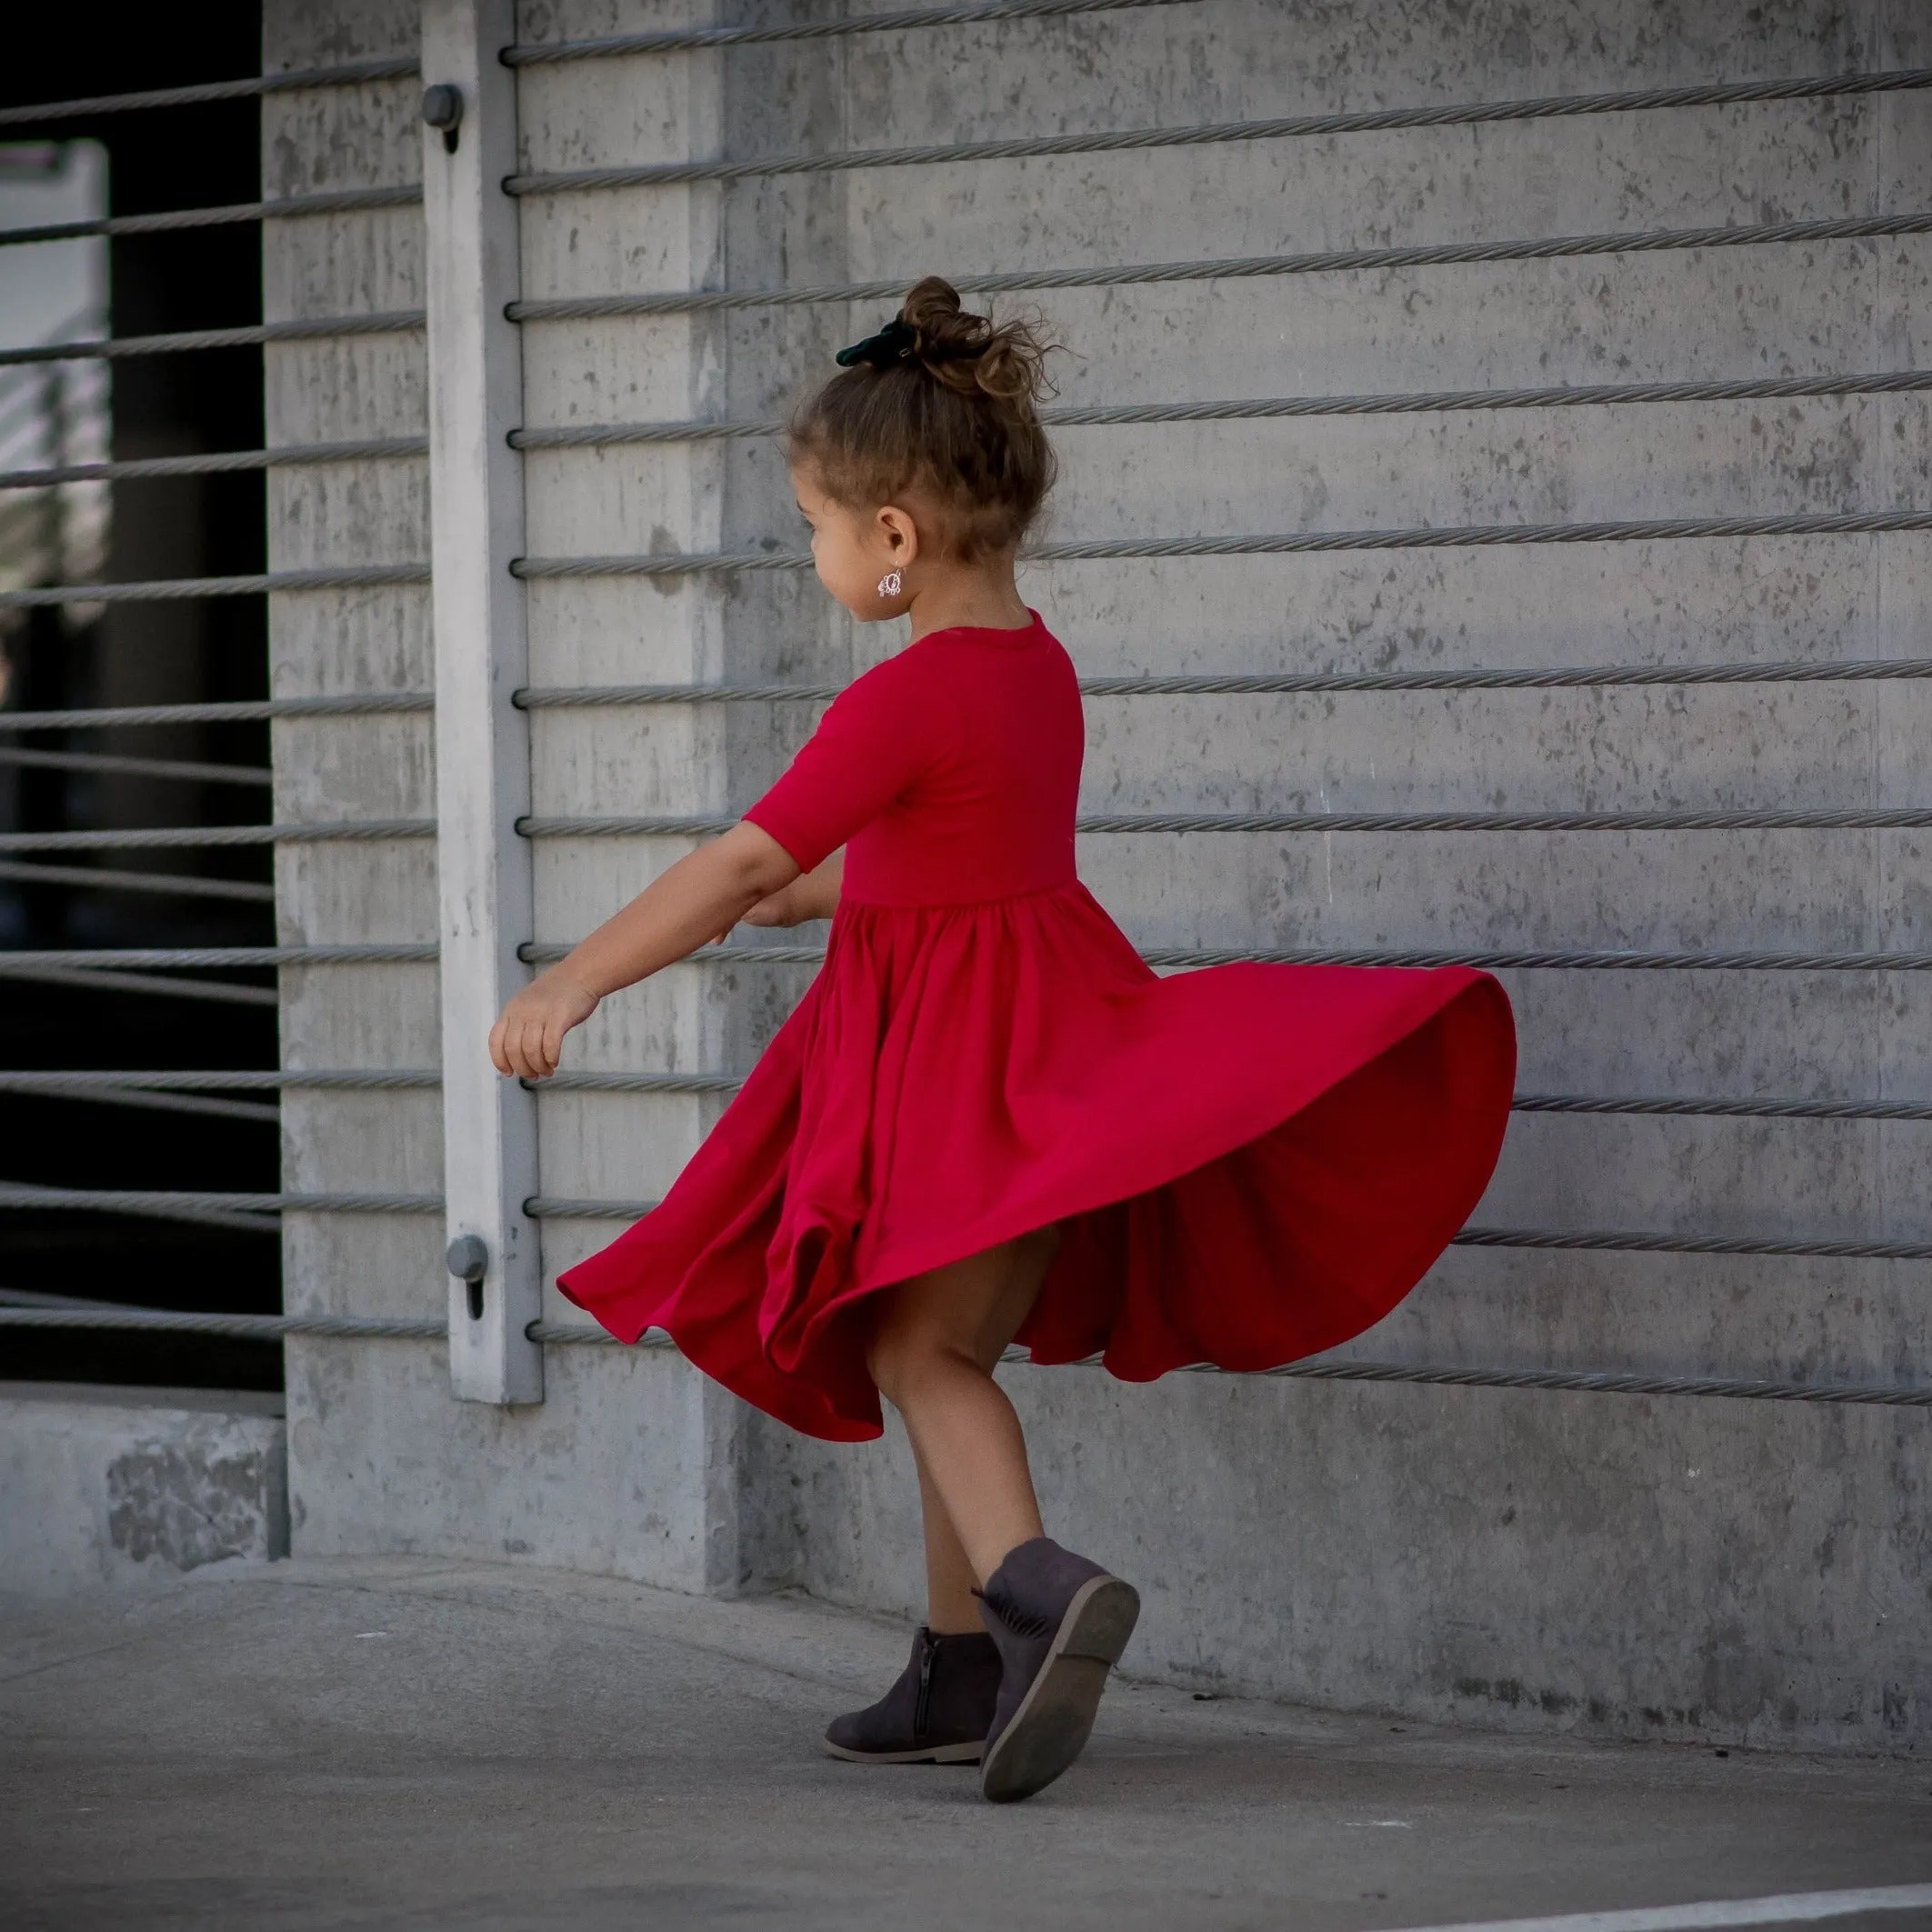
1247 1165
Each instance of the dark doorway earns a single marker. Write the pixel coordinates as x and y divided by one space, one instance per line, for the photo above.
192 651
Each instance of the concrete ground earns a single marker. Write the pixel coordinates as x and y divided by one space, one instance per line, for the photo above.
416 1742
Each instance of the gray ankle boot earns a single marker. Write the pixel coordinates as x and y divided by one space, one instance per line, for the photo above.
936 1714
1060 1623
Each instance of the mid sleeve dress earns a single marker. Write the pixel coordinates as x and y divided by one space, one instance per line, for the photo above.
1247 1164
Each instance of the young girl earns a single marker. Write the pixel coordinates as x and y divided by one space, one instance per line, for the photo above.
988 1120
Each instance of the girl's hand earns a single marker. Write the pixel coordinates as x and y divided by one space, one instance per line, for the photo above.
528 1037
812 895
782 908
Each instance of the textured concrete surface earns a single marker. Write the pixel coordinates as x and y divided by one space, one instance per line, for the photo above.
1731 1571
104 1485
395 1745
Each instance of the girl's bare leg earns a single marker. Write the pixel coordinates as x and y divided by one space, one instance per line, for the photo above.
949 1606
937 1339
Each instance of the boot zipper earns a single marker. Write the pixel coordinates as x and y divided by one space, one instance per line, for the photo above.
924 1703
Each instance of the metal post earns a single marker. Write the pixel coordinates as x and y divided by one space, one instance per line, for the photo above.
483 750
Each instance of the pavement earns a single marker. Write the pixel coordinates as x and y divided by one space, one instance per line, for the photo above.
414 1743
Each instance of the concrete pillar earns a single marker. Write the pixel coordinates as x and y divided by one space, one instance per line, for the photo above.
482 657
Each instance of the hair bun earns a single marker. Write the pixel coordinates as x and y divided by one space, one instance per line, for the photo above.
1005 361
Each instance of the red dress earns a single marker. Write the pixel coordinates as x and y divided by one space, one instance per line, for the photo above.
1247 1165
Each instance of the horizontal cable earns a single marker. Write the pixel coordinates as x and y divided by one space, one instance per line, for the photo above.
566 1208
1455 536
101 878
1552 959
1861 819
250 1081
166 1103
560 1207
1215 134
569 1334
184 768
348 74
238 1327
234 711
1638 1104
337 201
207 1210
1627 1243
170 589
187 957
35 1298
1278 683
218 463
1768 1108
1600 1382
168 1203
679 40
392 322
1329 260
1261 408
1522 960
219 992
632 1084
158 838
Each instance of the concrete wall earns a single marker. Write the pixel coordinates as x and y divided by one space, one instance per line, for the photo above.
102 1484
1732 1569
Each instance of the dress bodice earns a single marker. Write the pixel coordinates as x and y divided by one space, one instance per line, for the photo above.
950 772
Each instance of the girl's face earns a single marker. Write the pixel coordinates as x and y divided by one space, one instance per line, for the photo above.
854 550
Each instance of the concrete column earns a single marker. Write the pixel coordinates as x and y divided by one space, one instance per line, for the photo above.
482 656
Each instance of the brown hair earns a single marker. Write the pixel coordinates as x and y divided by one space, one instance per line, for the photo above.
940 404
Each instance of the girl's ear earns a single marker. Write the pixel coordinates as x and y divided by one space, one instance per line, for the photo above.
899 532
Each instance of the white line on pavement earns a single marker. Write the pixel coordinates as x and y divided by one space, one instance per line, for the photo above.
1788 1908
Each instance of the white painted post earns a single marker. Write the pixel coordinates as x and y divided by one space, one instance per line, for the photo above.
482 655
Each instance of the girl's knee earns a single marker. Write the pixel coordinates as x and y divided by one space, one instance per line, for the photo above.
904 1357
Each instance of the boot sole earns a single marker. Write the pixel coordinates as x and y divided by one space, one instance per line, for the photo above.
939 1754
1056 1716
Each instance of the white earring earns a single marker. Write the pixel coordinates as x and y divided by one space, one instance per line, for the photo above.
891 584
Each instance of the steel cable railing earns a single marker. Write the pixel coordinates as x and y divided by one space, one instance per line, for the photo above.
166 838
392 1079
349 74
361 1327
1325 261
346 576
1212 683
1859 818
240 214
187 769
1240 409
217 462
106 878
258 1209
679 40
1452 537
230 711
1217 134
95 980
251 335
1491 959
1248 409
360 953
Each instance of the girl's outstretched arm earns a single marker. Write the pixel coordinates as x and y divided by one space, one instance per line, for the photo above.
703 894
